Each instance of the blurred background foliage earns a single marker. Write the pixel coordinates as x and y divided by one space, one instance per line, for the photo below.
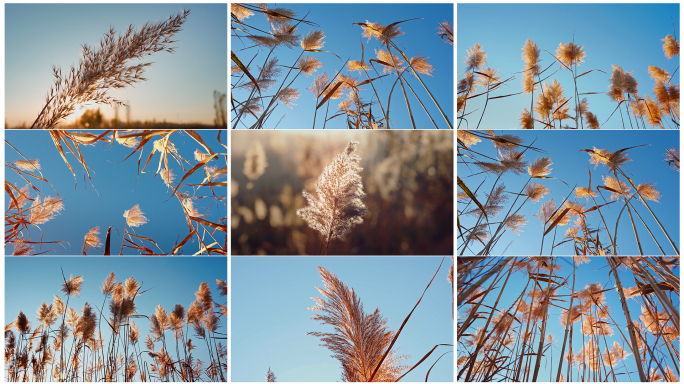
408 176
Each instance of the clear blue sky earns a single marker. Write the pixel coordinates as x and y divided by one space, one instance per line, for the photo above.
343 39
270 319
169 281
179 88
117 189
570 165
596 271
609 33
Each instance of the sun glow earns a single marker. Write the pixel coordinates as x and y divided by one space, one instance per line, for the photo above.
78 112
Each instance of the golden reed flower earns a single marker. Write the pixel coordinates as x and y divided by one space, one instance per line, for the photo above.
540 167
240 12
379 31
570 54
536 191
467 138
420 64
72 287
135 217
607 158
28 165
526 121
476 58
337 206
92 239
670 47
360 339
313 40
309 65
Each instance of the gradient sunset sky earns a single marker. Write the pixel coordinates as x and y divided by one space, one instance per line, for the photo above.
179 88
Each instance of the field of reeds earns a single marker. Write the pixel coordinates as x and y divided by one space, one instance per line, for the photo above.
517 318
409 336
339 193
565 193
576 84
137 187
169 85
72 340
273 56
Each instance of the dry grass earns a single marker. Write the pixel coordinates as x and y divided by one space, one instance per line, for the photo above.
358 113
552 107
19 217
337 206
67 346
108 66
361 342
587 233
405 185
505 337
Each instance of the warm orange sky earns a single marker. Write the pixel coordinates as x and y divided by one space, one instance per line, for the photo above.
179 88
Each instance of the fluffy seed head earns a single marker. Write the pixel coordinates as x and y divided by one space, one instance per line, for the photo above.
135 217
28 165
420 64
313 40
92 239
611 160
167 176
309 65
379 31
670 47
570 54
476 58
536 191
540 167
339 189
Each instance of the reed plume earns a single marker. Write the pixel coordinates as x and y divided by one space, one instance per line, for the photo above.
670 47
135 217
476 58
42 212
360 339
308 65
72 287
92 239
379 31
105 67
28 165
255 161
337 206
570 54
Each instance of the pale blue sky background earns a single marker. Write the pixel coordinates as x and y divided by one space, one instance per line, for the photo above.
179 88
343 39
169 281
570 165
117 189
626 35
596 271
270 319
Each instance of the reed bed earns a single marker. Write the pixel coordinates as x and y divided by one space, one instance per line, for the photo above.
594 208
259 87
555 101
302 193
92 346
524 331
28 207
